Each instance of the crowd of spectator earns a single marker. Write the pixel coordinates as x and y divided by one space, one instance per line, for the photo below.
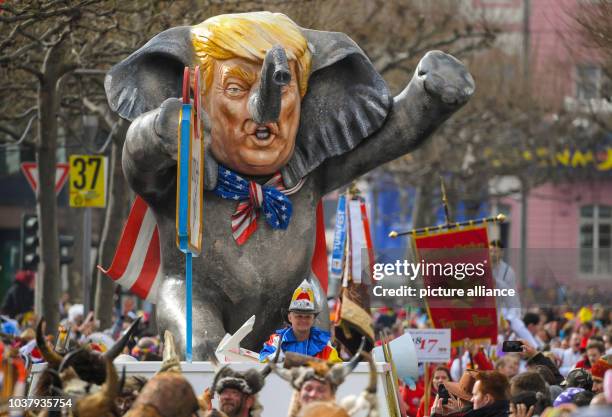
563 374
566 372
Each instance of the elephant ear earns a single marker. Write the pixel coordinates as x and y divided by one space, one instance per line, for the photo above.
347 100
153 73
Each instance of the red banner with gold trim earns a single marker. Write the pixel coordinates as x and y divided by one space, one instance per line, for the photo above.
456 273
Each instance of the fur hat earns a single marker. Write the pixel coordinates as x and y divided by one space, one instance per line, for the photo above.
312 374
169 393
249 382
300 368
326 408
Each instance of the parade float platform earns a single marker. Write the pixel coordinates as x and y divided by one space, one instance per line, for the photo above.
276 393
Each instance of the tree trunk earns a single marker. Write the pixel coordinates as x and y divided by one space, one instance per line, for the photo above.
75 269
404 201
524 231
416 207
425 214
48 281
115 213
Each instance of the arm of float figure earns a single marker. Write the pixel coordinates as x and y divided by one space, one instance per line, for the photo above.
440 86
150 151
149 164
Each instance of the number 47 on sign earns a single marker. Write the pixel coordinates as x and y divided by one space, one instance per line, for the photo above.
422 342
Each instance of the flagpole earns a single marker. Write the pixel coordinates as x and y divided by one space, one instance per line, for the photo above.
500 218
189 194
189 321
445 201
427 383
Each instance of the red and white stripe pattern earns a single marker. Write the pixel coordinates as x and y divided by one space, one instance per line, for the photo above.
30 349
136 265
256 193
244 219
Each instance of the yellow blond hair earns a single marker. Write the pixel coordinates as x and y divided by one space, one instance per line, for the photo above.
250 36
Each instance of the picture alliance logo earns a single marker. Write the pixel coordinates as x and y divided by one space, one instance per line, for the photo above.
478 291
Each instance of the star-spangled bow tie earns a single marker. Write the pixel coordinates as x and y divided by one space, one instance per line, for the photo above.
253 198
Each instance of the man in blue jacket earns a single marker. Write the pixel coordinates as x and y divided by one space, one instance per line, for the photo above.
301 337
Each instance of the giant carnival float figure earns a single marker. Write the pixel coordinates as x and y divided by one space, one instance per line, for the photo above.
291 114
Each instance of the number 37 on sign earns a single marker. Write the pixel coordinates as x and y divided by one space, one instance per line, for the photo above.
88 175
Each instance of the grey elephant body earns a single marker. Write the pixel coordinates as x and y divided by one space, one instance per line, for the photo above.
233 282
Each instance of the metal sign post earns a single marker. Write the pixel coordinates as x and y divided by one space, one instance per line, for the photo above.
86 274
88 179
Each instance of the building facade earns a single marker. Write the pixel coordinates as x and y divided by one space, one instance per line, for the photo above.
568 222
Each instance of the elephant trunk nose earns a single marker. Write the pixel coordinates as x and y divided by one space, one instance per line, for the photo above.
265 102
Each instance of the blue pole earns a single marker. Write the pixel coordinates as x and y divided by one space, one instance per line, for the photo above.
188 320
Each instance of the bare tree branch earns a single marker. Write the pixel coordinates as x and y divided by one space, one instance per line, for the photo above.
101 110
43 14
24 135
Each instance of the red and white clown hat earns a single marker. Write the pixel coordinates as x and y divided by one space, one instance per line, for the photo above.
303 300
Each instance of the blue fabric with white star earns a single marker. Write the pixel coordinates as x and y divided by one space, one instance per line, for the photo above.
276 207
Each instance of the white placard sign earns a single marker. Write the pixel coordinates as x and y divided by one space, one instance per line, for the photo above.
432 345
196 188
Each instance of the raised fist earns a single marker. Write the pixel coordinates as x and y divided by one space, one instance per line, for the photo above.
445 78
